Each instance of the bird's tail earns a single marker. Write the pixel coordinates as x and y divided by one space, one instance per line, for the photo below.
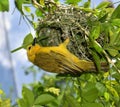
77 70
89 66
103 66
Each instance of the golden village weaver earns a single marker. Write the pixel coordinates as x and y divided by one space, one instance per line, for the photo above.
58 59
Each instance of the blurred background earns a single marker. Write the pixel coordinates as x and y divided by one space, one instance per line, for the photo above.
13 29
12 65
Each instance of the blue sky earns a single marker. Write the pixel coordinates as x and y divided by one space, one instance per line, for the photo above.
16 34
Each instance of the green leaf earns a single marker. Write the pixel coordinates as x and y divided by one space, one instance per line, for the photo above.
38 13
42 2
27 1
115 22
96 60
112 35
27 9
44 99
90 92
95 32
107 96
101 88
4 5
27 40
87 4
73 2
103 5
112 52
21 103
116 75
114 39
18 4
116 13
92 105
113 92
69 101
95 46
37 106
118 65
91 95
28 96
103 18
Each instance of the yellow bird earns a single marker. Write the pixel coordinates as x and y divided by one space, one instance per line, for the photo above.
58 59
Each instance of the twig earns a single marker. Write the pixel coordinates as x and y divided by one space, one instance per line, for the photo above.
39 6
51 2
111 62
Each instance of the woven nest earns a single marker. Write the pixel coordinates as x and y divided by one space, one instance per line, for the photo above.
67 21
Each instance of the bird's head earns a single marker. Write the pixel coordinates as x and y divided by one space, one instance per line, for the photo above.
32 50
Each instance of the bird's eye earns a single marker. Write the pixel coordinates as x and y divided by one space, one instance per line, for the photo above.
29 47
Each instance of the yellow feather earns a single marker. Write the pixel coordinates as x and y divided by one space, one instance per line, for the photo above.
58 59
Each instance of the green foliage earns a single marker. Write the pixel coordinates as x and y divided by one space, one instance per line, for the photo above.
44 99
27 40
103 5
69 101
92 105
87 4
19 5
116 14
88 90
4 5
95 31
73 2
28 98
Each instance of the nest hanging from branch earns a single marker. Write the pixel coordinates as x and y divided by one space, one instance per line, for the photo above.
67 21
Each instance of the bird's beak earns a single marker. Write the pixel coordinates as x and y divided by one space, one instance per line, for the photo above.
34 41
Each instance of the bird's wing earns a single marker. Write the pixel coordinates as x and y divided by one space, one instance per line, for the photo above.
47 62
65 63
